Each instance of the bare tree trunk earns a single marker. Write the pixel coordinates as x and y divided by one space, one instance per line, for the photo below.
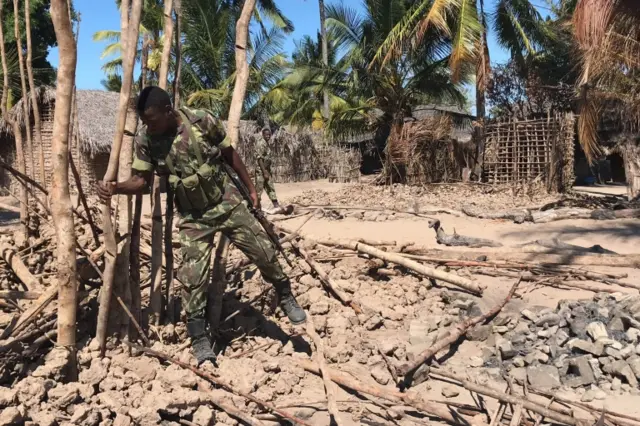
125 218
34 96
61 209
178 30
156 252
24 199
143 62
242 70
325 56
129 28
630 150
156 228
23 85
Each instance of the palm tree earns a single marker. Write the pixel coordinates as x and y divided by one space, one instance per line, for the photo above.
208 72
516 23
199 12
361 100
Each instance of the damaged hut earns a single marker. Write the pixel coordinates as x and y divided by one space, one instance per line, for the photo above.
433 145
90 144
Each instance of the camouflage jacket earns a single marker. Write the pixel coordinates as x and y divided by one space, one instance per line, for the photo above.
151 153
262 153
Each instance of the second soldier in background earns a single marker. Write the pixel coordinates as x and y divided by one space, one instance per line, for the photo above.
262 174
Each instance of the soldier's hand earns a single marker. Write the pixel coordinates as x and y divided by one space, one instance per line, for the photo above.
105 190
267 176
255 200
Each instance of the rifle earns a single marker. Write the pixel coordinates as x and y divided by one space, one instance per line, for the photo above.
257 213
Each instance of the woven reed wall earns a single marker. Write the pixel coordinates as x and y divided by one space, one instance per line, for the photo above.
524 150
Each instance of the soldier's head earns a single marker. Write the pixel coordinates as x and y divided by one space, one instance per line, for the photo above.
266 134
156 112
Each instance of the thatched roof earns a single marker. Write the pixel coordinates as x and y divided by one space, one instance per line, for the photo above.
97 111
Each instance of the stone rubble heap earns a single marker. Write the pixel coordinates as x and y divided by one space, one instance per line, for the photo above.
591 346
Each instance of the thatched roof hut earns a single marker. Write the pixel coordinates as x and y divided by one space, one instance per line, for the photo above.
93 132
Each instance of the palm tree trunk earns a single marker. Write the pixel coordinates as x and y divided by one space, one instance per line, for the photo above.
483 73
34 97
60 197
23 85
130 27
24 199
144 71
325 56
242 71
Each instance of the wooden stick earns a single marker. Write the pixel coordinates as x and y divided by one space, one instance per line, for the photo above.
30 315
420 268
456 333
621 261
349 382
326 280
83 200
434 210
219 382
27 295
507 398
18 267
332 405
234 412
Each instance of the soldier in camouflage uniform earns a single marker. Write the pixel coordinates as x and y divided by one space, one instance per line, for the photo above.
262 173
188 146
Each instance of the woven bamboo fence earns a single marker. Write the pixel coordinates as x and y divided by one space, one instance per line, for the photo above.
528 150
302 156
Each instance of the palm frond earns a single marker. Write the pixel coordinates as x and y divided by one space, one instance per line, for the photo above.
275 15
467 32
588 126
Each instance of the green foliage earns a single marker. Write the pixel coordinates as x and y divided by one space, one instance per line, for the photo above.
42 39
362 99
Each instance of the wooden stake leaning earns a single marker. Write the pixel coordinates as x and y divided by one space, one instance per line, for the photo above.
326 280
130 27
332 405
456 333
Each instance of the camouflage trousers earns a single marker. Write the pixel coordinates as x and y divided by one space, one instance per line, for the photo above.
262 184
196 239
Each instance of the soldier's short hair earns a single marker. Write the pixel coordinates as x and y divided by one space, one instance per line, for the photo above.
152 97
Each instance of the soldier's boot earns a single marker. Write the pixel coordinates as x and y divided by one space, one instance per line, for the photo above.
199 341
289 304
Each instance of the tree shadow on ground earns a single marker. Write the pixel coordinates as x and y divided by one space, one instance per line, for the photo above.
618 230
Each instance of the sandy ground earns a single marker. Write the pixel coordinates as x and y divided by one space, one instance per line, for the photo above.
622 236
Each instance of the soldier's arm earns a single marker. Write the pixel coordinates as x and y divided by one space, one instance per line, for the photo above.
141 177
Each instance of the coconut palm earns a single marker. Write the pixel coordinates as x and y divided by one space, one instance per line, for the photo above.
517 24
208 71
361 100
197 11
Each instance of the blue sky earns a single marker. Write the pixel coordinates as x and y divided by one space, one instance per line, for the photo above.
103 15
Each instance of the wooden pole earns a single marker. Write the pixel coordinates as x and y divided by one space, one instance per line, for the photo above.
242 70
61 208
128 56
456 333
17 132
34 95
18 267
420 268
177 5
23 85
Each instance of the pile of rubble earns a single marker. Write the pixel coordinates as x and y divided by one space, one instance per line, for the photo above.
421 198
591 346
